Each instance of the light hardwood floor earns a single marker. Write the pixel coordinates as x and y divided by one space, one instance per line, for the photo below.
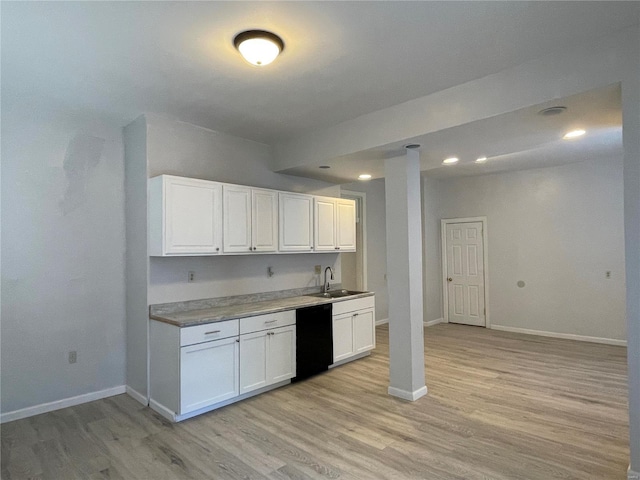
500 406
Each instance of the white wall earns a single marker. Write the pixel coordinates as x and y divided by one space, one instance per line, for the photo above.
62 256
557 229
376 242
179 148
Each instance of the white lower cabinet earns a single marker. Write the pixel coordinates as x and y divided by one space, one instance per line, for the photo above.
354 328
209 373
199 368
267 357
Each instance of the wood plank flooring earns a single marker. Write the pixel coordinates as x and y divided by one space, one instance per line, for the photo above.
500 406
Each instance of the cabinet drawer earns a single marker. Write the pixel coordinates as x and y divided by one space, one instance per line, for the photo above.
208 332
346 306
271 320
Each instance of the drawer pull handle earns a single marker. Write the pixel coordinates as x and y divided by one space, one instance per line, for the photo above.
211 332
271 321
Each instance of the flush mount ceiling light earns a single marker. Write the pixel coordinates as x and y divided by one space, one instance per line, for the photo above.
258 47
412 146
481 159
364 176
324 166
574 134
450 161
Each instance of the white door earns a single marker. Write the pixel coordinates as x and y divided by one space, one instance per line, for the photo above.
364 331
253 361
264 220
325 224
281 354
237 218
192 211
209 373
346 225
296 222
465 273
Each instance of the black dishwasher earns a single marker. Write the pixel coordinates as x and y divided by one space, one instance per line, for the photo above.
314 340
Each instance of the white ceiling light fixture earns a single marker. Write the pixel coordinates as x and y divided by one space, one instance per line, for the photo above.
574 134
364 176
258 47
450 161
481 159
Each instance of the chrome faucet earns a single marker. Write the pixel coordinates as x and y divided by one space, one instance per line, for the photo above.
326 282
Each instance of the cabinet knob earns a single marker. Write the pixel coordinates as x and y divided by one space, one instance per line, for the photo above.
217 249
337 248
255 248
237 340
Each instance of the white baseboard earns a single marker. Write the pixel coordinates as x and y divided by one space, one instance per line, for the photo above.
631 475
137 395
407 395
58 404
567 336
431 323
382 321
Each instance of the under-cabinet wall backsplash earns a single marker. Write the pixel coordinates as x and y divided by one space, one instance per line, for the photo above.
233 275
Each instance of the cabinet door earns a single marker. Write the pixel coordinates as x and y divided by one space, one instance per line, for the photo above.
342 337
325 224
237 218
264 220
281 355
296 222
253 361
209 373
346 225
364 331
192 211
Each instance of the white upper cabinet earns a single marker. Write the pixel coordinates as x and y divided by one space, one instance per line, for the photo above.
335 224
237 218
296 222
250 219
345 224
185 216
264 220
325 224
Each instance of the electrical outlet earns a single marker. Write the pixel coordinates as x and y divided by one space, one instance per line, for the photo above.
191 277
73 356
317 269
607 274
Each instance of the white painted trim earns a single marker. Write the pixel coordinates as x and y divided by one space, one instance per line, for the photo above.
431 323
350 359
137 395
485 247
406 395
162 410
567 336
59 404
631 475
382 321
363 222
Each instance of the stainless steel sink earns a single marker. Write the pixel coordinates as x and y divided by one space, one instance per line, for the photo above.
335 294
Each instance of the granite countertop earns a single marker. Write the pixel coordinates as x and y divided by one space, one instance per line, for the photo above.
217 313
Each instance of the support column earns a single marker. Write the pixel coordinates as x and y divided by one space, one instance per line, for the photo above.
404 276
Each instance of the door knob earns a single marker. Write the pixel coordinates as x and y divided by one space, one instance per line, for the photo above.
449 279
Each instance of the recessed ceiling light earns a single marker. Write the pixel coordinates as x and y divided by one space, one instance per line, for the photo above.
324 166
258 47
364 176
450 160
574 134
481 159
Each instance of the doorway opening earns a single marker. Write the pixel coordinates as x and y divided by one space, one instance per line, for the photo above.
354 265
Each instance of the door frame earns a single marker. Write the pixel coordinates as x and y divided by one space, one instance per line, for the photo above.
363 224
443 248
